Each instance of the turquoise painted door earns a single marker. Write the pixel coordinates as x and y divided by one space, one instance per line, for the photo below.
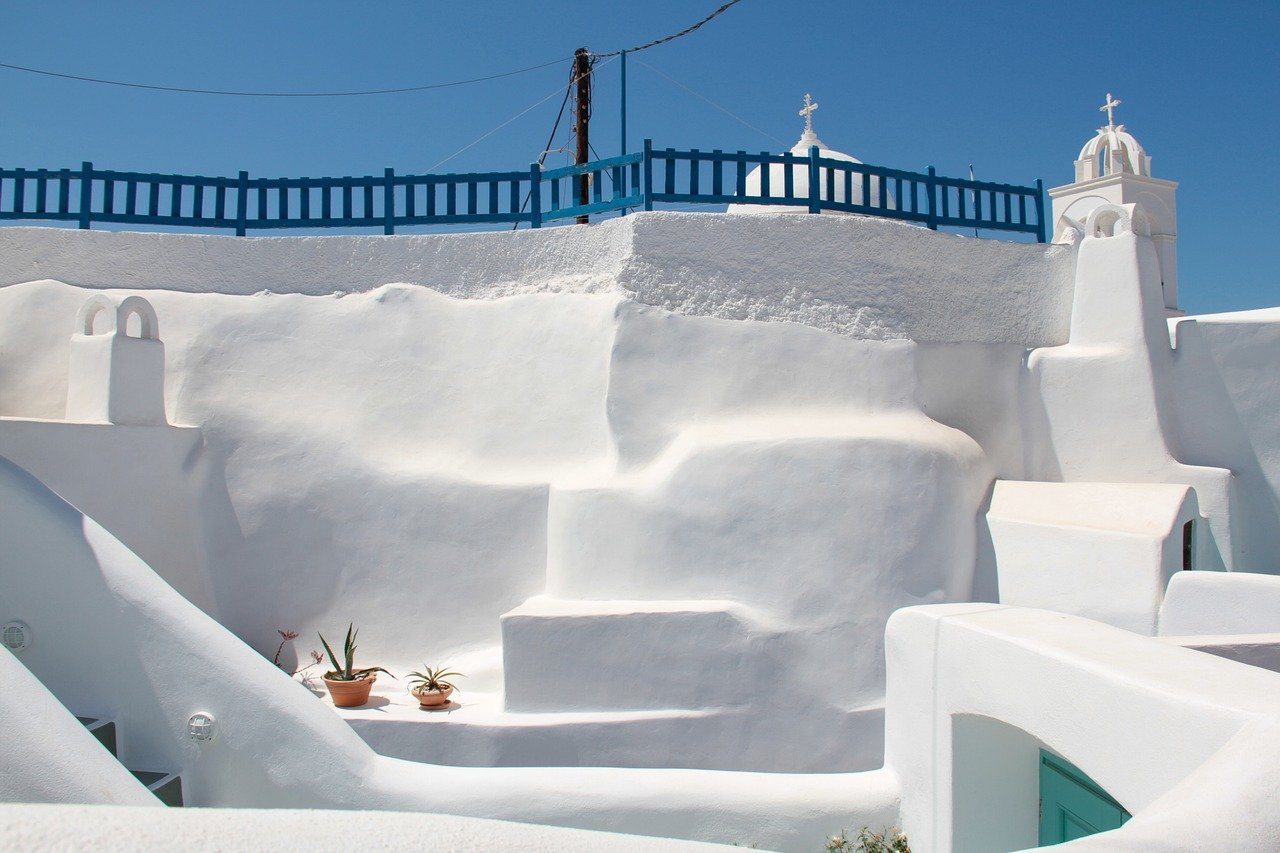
1071 804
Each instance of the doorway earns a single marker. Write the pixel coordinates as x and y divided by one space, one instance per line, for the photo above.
1071 804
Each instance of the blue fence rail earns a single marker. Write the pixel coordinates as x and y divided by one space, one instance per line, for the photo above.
534 197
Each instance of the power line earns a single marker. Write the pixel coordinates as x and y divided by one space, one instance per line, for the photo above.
673 36
486 135
546 148
190 91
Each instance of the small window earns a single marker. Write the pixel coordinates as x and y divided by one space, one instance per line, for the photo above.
1188 546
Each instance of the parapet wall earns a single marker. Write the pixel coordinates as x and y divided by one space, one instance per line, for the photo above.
856 276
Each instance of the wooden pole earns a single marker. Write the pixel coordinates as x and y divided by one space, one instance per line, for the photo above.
582 120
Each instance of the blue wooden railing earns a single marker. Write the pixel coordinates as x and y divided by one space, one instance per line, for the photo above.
534 197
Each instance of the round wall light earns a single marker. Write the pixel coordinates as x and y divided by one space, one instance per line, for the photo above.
202 726
16 635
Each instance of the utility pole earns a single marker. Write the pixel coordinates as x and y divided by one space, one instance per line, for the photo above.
582 116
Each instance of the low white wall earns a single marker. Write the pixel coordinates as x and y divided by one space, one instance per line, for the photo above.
47 754
1260 650
1135 714
1105 551
28 827
1223 400
1228 803
857 276
1235 603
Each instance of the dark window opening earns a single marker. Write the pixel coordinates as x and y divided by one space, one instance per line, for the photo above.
1188 545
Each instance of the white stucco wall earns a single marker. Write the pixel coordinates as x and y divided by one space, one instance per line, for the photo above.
1099 409
1105 551
857 276
1224 402
27 827
47 754
1235 603
112 637
1137 715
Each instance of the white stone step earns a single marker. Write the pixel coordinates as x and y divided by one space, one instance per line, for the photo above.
573 655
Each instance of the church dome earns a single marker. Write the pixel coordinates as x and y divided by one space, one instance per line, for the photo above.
1113 151
800 176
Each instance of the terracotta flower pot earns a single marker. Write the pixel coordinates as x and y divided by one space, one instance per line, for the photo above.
350 694
432 698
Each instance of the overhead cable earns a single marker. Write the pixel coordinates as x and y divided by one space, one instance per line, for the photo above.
241 94
486 135
673 36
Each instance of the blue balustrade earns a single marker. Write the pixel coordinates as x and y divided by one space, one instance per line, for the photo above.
534 197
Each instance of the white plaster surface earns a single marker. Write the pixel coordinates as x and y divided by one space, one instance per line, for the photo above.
1137 715
857 276
1101 550
750 436
30 827
48 756
1099 409
1226 411
173 499
112 635
1260 650
1235 603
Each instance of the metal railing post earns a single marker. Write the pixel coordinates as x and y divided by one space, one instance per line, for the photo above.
86 193
648 174
389 202
535 195
815 181
242 203
931 187
1042 235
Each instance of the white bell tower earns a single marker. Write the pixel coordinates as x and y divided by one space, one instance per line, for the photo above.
1113 168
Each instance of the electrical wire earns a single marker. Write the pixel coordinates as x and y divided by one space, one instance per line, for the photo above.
546 148
239 94
673 36
523 112
724 110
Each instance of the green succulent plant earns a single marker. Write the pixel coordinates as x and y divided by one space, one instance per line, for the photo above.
434 679
347 671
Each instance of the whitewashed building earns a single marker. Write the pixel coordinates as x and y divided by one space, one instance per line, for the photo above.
743 527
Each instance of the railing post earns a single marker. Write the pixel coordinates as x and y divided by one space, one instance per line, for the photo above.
931 187
648 174
535 195
86 193
815 181
389 202
242 204
1042 235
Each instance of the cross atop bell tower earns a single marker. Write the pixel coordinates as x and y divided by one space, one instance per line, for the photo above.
1109 108
1114 168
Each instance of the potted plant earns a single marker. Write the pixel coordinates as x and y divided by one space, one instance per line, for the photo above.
430 688
347 685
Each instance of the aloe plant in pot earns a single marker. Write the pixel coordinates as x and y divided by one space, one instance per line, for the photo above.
430 688
347 685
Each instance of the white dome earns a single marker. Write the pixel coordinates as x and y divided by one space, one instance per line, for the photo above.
800 181
1116 150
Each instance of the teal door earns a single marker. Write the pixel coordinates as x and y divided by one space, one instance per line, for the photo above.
1071 804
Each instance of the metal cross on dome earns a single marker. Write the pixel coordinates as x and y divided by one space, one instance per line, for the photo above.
1109 108
807 112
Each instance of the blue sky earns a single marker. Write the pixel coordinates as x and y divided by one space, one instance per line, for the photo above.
1011 87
